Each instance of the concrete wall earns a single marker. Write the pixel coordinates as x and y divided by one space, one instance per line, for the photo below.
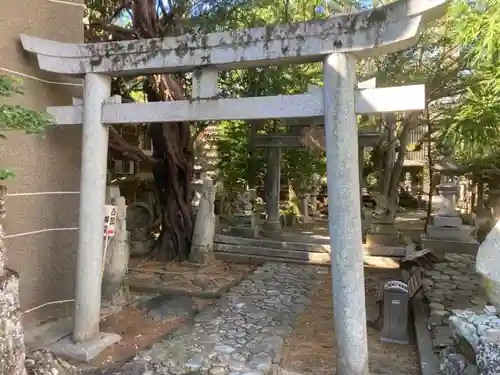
45 261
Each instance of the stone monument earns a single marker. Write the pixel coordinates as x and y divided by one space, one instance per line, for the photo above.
382 231
244 215
117 251
304 197
204 227
314 201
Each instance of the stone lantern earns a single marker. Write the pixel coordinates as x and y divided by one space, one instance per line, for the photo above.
446 232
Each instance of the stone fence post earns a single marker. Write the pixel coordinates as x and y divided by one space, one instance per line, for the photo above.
204 227
12 349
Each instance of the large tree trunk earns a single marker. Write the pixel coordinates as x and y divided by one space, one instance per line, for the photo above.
397 169
172 149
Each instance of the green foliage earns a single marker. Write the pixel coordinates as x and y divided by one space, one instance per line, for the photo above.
477 27
232 143
15 117
236 165
472 124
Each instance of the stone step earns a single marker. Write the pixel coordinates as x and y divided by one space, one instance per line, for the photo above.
386 262
260 259
272 252
273 244
304 251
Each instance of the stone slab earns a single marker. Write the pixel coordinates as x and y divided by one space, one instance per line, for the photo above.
462 233
244 232
441 246
383 228
385 251
260 259
383 239
428 360
172 307
84 352
447 221
46 334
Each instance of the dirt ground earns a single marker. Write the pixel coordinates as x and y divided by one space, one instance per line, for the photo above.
138 331
310 349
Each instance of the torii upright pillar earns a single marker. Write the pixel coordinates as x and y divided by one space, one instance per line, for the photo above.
341 140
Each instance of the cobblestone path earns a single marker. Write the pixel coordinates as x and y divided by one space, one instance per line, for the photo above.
452 284
241 334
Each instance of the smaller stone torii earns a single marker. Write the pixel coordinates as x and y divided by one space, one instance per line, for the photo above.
306 137
338 42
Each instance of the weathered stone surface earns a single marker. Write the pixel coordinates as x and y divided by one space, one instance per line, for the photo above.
453 286
488 358
452 363
488 258
43 362
12 350
164 306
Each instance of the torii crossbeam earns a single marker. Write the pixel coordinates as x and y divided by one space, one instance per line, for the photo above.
338 42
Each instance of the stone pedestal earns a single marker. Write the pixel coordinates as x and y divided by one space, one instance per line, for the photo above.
382 232
244 216
204 227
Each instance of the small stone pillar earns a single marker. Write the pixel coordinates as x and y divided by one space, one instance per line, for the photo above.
314 201
244 215
117 251
204 227
304 205
273 223
12 349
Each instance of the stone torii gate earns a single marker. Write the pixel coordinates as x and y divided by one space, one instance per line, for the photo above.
338 42
367 103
